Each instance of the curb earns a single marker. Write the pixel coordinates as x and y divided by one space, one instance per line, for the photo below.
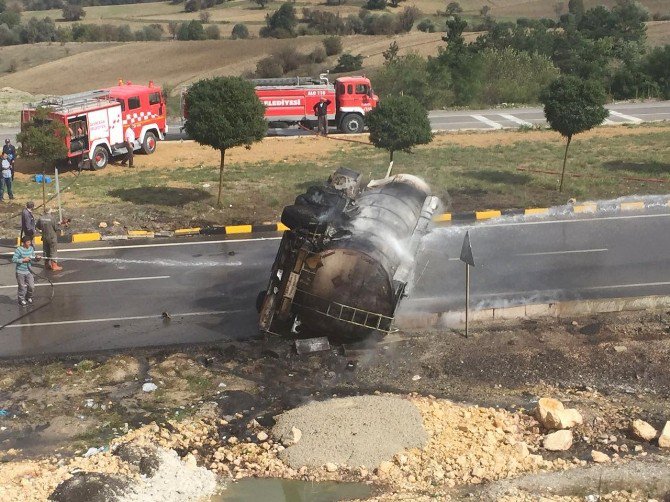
456 319
452 218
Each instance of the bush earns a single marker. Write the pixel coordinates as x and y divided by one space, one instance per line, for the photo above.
354 24
288 58
426 26
332 45
268 68
318 55
72 12
281 24
191 5
212 32
323 22
205 16
407 18
384 24
193 30
348 62
240 31
375 5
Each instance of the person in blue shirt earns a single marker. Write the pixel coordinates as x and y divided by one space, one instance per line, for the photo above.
23 256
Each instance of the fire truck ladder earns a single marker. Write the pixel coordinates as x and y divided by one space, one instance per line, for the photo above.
291 81
72 101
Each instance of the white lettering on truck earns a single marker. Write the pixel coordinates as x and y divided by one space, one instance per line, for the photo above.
282 102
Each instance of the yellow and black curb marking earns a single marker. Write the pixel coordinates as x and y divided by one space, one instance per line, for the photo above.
453 218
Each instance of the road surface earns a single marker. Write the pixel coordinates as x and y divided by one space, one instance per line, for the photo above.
208 286
482 120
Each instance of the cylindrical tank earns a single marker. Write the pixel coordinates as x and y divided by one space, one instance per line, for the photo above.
347 289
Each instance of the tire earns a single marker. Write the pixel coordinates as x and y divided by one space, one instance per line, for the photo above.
100 158
352 123
149 143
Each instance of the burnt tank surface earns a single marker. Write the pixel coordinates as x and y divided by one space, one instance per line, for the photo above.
343 265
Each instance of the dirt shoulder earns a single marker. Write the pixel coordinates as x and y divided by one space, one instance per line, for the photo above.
476 398
177 186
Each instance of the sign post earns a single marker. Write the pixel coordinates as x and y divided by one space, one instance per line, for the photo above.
60 211
469 260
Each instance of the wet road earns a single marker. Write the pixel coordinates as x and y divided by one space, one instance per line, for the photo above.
209 286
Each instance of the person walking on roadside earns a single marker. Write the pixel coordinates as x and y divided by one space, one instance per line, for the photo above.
129 139
23 255
10 150
321 112
49 227
28 221
5 178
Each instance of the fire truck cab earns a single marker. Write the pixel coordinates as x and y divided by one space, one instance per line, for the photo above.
97 121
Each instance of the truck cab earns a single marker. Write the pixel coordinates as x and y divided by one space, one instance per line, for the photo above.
354 98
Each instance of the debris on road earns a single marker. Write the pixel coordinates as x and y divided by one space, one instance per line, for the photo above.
553 415
643 430
558 441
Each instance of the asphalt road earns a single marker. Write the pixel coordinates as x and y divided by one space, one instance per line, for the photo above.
481 120
208 286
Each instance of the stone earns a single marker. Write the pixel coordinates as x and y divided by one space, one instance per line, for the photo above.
558 441
599 457
664 440
331 467
620 348
102 224
522 449
553 415
262 436
384 467
642 430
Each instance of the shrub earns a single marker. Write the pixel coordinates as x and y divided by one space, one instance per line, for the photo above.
288 58
72 12
375 5
318 55
240 31
281 24
323 22
348 62
268 68
212 32
191 5
426 26
205 16
407 18
332 45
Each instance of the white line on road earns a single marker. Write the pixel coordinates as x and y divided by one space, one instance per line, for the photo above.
130 318
98 281
629 118
609 122
574 251
576 220
514 119
488 122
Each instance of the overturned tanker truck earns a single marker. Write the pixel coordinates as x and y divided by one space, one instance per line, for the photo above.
344 264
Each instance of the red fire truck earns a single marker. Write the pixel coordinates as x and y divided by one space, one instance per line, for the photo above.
290 101
97 121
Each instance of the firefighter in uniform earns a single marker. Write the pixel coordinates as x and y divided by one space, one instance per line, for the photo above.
49 227
321 112
129 139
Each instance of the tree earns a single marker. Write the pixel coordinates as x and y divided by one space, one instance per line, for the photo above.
73 12
571 106
485 11
391 54
658 68
349 62
281 24
224 112
333 45
240 31
453 8
576 8
261 3
398 124
205 16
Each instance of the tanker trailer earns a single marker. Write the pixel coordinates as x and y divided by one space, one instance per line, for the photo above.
343 265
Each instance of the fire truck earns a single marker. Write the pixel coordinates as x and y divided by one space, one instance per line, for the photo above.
96 121
290 101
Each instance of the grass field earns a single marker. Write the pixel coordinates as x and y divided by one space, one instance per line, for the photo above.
177 185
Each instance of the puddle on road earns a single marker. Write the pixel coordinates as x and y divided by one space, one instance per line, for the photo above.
290 490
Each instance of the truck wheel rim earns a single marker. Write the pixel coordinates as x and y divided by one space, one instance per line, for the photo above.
151 142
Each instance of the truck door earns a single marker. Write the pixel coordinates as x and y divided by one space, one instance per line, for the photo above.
156 106
115 125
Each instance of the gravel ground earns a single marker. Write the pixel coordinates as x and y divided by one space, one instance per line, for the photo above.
354 431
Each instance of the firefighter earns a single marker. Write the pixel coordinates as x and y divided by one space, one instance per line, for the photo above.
23 255
129 138
28 221
49 227
321 112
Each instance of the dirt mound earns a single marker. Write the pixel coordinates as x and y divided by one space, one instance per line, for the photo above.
354 431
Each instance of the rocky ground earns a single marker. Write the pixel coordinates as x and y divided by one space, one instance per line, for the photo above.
478 432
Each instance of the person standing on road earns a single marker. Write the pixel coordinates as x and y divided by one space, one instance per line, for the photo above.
23 255
28 221
5 178
129 138
10 150
321 112
49 227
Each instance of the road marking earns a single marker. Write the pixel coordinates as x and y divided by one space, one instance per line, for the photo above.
98 281
576 220
164 244
514 119
488 122
574 251
129 318
609 122
629 118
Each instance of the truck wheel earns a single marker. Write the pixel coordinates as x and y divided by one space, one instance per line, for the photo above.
149 143
352 124
100 158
